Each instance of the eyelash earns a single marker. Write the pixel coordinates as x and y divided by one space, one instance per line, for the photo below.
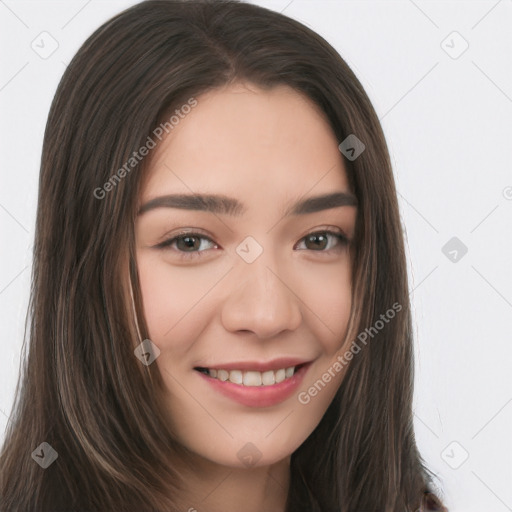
166 244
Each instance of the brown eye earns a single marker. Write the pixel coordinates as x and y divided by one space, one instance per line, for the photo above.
323 241
188 243
316 241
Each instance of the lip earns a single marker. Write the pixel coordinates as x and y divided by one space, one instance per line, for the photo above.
258 396
259 366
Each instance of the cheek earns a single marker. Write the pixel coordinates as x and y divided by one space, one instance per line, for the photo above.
159 298
326 295
170 296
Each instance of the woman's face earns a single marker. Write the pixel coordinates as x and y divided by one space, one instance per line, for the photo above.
254 280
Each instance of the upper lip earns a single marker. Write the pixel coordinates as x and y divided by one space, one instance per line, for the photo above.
261 366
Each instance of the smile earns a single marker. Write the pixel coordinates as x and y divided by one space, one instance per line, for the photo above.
265 387
251 378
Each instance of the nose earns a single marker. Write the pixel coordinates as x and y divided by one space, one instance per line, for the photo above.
261 301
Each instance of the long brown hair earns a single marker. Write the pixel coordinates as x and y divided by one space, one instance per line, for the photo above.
81 389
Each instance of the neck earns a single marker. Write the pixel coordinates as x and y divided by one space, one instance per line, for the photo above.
210 487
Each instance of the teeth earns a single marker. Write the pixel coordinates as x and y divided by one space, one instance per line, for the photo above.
253 378
222 375
236 377
280 375
268 378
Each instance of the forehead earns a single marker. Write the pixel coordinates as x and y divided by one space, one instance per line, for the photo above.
241 139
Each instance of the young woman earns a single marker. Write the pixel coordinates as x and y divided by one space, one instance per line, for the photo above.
220 317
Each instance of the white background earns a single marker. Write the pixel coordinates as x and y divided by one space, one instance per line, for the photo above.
448 122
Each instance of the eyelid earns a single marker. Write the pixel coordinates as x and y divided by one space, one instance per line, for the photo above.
182 232
328 229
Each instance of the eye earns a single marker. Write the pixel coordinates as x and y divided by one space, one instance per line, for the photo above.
188 242
323 241
192 244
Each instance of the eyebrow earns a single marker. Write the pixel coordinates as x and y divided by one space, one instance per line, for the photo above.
221 204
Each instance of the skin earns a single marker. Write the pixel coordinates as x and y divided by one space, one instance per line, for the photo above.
267 149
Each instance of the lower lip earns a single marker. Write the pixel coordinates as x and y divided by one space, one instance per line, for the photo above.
258 396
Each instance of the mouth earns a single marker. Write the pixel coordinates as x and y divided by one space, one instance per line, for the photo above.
253 384
251 378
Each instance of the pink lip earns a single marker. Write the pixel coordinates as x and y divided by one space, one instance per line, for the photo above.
258 396
275 364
